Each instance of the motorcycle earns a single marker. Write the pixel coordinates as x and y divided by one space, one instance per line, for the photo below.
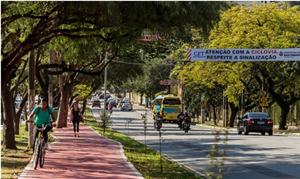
158 123
186 123
185 126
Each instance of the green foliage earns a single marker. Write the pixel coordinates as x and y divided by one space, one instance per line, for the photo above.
154 71
264 26
83 91
105 121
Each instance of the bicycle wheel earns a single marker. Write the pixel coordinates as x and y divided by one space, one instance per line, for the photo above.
36 154
42 156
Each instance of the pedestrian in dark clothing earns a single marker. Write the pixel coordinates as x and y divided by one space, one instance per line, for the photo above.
76 117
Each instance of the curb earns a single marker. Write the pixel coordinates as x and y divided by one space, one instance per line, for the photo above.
233 130
121 150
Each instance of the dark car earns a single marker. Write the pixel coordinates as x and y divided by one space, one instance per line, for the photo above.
255 122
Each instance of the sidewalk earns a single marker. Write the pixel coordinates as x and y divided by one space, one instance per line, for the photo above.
86 157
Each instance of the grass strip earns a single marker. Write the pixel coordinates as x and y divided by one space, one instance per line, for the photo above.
14 161
145 160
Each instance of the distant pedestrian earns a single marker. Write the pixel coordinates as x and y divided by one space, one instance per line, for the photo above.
206 114
76 117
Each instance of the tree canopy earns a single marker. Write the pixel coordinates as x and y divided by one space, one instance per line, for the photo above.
264 26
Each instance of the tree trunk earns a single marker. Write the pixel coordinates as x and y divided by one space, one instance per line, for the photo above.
8 114
45 88
214 115
52 59
2 117
141 99
65 93
26 114
31 95
72 99
234 111
18 114
83 106
283 116
225 111
56 97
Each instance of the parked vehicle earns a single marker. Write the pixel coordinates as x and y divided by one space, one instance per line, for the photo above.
122 101
96 103
126 106
255 122
107 96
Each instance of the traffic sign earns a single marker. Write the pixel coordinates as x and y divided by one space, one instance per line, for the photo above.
227 54
264 101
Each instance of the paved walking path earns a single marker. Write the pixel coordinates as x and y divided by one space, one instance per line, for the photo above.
89 156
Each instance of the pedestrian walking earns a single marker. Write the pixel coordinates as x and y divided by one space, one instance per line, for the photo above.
76 117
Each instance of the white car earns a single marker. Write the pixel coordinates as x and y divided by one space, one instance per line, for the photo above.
126 106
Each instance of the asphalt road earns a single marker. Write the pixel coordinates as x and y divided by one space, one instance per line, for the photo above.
233 156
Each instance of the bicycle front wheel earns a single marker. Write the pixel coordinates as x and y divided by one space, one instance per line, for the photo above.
42 156
36 154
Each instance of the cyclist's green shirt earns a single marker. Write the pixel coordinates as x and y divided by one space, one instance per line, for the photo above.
42 117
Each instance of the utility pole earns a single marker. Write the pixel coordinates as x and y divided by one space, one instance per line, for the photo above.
105 81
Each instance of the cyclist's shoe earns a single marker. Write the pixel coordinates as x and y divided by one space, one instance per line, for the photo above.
46 146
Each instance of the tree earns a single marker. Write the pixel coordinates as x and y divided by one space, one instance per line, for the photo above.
29 25
265 26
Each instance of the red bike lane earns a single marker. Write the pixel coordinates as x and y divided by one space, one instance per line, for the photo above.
86 157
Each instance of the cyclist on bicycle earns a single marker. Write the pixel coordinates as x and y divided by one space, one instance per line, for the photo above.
42 117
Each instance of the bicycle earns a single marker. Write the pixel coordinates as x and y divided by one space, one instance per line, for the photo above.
39 151
39 148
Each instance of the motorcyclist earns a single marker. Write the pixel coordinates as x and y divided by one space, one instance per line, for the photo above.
180 118
186 119
158 121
